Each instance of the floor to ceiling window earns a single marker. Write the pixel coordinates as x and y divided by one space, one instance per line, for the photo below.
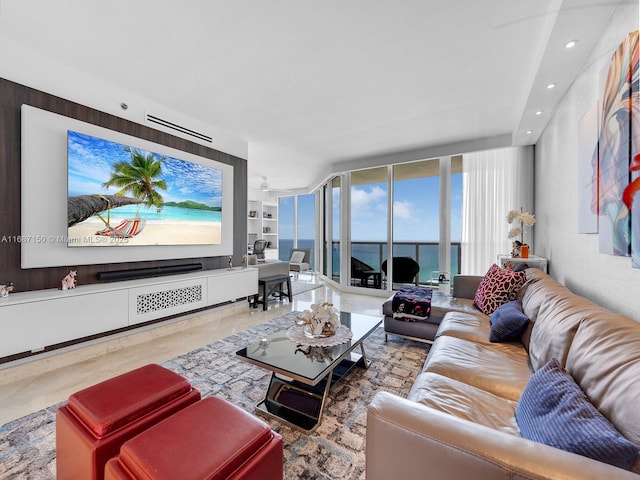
416 219
326 228
456 213
335 228
413 209
296 225
306 224
369 207
286 219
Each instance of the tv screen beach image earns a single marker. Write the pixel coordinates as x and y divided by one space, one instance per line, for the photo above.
120 195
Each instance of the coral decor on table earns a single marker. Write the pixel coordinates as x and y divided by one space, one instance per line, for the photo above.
319 326
321 321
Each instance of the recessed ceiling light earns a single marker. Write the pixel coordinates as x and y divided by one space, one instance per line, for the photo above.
539 112
529 132
571 44
550 86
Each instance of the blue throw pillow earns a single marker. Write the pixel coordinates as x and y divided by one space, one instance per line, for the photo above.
554 410
508 322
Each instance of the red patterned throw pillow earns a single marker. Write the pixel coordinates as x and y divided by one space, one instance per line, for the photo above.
498 287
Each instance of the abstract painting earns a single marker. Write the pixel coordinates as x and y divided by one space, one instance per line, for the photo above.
615 150
587 166
631 195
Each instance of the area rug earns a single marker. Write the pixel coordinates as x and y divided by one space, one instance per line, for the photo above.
336 450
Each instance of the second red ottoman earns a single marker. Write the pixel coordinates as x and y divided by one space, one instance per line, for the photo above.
96 421
209 439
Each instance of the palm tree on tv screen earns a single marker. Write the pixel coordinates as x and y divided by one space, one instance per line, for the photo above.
141 177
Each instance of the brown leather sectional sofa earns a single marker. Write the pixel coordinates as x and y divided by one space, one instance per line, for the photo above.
459 418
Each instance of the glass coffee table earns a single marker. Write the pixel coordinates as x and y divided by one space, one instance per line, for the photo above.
303 375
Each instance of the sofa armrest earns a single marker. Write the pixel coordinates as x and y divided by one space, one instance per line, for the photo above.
465 286
412 440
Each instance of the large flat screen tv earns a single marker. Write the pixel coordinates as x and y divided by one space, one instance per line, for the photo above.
119 195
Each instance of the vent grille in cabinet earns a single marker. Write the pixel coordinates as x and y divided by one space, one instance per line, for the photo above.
156 301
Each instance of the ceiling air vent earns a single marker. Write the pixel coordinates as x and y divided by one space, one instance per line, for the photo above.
178 128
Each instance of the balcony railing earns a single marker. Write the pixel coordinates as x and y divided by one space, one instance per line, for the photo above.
425 253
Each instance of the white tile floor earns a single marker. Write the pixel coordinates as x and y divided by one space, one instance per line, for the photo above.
37 384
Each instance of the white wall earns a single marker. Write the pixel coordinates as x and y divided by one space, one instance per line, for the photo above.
574 259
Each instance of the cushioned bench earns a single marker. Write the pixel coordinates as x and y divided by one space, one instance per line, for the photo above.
209 439
271 285
96 421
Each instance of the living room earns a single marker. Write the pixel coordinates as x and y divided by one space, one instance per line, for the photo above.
49 81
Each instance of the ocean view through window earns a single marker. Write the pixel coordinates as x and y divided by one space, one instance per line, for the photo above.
417 216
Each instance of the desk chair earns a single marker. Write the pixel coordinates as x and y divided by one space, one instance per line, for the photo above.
259 246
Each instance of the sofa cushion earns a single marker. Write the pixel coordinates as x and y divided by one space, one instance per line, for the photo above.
554 410
464 401
538 288
297 257
508 322
498 368
557 322
604 359
498 287
469 326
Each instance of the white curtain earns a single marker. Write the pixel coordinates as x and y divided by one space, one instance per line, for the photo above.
493 182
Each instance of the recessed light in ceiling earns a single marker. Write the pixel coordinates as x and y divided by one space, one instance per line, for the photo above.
529 132
539 112
571 44
550 86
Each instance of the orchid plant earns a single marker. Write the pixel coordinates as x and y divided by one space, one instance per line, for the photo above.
524 219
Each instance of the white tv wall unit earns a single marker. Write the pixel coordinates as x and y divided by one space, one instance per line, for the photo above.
32 321
264 225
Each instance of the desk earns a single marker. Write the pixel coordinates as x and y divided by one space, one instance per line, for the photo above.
533 261
268 267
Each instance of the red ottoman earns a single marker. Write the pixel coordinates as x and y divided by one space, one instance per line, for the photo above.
209 439
96 421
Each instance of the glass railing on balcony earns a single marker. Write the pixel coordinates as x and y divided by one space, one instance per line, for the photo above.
425 253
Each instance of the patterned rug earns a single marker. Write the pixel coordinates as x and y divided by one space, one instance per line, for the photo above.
334 451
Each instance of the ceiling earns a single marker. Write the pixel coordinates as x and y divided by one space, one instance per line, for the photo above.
313 85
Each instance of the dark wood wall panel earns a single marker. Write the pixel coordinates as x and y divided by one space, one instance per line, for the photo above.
12 96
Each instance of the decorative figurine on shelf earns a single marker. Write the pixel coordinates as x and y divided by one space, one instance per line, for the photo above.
515 249
244 260
69 281
6 289
230 263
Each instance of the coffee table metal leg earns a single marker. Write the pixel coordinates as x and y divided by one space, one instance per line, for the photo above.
365 362
300 405
297 405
